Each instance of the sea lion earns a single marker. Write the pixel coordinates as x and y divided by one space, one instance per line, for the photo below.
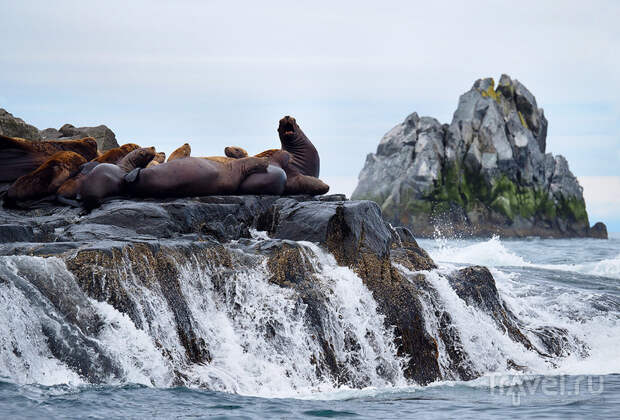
182 152
108 179
159 158
235 152
19 157
303 184
71 187
193 176
116 154
46 179
304 156
271 182
303 167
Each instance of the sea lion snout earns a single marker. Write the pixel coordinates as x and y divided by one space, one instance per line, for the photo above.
287 126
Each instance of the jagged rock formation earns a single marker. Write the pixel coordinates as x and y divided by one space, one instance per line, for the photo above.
486 173
143 256
15 127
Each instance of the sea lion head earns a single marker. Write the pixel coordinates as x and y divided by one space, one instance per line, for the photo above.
116 154
288 130
139 158
129 147
180 153
160 157
235 152
304 156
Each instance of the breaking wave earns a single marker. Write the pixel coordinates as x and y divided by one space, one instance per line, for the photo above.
494 253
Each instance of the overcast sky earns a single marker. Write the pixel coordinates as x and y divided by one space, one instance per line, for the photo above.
220 73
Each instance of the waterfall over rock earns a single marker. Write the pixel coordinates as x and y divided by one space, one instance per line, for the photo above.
256 295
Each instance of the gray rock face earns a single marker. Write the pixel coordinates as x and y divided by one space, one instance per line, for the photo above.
486 173
103 135
16 127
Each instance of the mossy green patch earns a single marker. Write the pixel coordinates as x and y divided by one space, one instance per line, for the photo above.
523 122
502 205
490 92
573 208
468 190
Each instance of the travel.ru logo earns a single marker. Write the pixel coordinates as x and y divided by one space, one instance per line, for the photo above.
521 387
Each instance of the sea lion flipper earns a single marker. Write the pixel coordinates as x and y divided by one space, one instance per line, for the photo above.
133 176
304 184
67 201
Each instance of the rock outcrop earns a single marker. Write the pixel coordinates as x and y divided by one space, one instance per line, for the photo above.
129 251
486 173
15 127
105 137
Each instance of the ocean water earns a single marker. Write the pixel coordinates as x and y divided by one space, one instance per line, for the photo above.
572 285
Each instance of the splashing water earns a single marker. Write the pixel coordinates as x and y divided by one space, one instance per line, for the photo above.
262 342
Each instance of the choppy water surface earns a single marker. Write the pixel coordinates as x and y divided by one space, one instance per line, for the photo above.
570 284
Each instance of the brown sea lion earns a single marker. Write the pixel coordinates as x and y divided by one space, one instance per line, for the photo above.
116 154
159 158
271 182
19 156
304 184
218 159
303 167
193 176
267 153
71 187
46 179
182 152
235 152
304 156
107 179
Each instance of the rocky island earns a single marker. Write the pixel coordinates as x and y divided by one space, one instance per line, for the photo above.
273 292
487 172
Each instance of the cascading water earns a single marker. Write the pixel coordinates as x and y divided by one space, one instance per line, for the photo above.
258 334
263 339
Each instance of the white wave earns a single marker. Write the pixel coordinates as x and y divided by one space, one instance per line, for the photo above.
24 352
259 339
540 305
133 348
493 253
604 268
490 253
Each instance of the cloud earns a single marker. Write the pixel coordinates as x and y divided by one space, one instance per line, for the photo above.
602 195
222 73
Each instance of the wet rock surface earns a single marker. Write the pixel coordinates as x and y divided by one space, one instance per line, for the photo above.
487 172
126 250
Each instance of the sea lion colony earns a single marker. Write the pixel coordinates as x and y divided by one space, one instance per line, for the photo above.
73 172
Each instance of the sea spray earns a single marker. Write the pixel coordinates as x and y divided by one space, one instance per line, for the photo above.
258 334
